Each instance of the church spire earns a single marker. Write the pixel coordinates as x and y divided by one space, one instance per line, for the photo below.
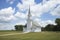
29 9
29 23
29 13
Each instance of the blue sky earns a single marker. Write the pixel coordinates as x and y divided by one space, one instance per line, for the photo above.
14 12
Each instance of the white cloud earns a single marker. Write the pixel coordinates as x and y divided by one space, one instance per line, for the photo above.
25 4
52 6
44 23
28 2
21 15
6 14
38 9
6 26
23 22
56 12
22 7
47 6
8 10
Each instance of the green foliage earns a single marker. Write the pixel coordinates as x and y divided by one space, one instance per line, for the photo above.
57 27
51 27
57 21
19 27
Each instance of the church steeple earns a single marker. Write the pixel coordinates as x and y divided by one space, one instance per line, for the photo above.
29 23
29 13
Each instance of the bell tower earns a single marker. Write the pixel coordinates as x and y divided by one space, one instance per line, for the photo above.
29 22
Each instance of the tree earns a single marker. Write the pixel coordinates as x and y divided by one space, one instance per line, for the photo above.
49 27
42 28
19 27
57 21
57 27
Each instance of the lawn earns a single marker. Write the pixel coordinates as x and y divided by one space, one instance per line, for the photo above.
31 36
8 32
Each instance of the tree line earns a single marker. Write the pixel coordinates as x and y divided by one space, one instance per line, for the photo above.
49 27
19 27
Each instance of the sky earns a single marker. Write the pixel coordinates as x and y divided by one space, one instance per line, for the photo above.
14 12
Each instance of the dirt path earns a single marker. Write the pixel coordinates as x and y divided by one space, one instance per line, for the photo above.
12 34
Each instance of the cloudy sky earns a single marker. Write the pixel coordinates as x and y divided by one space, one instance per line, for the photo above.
13 12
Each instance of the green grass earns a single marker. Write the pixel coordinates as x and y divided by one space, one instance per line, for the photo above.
8 32
32 36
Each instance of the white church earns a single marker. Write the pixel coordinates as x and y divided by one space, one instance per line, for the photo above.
32 26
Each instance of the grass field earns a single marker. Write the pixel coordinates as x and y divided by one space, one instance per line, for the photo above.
30 36
8 32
